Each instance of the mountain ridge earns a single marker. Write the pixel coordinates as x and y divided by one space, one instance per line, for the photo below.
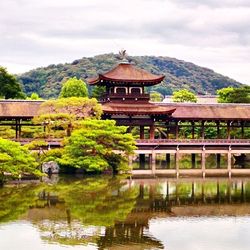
47 81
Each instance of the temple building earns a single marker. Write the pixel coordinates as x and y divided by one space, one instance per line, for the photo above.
126 100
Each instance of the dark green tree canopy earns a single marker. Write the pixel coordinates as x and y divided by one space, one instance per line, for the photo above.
74 88
98 91
9 87
98 145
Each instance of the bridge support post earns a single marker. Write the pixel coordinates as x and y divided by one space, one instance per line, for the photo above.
218 160
142 160
193 160
168 160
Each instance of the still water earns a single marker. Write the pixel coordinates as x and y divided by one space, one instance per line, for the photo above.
118 213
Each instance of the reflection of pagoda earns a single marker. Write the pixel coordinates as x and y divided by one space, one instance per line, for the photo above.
126 100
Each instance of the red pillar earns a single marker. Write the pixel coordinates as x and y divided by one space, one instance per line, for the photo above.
141 132
152 132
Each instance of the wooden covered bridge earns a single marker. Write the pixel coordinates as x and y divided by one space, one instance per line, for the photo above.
169 129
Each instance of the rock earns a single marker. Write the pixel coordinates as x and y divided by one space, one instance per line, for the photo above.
50 167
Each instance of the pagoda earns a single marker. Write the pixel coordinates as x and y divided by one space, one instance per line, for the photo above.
126 100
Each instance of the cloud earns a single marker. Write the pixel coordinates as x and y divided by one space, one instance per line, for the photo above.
36 33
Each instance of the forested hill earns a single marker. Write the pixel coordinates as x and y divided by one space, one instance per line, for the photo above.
179 74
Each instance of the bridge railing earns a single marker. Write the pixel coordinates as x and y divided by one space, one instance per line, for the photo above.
193 141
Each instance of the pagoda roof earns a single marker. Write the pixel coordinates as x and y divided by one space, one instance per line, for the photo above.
127 73
136 109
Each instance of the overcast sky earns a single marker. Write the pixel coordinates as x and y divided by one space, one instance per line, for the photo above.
210 33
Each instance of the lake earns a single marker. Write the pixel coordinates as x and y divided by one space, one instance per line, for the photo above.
117 213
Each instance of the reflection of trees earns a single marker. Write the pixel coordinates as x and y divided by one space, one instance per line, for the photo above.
88 205
97 201
16 200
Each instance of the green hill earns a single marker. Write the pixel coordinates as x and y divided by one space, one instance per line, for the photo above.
179 74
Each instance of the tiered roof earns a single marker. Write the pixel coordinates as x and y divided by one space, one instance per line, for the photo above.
125 72
136 109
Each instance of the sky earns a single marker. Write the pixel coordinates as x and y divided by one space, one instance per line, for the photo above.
209 33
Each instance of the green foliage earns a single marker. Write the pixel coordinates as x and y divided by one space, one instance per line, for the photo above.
184 95
223 94
7 132
234 95
74 88
61 116
47 81
155 97
16 160
98 91
92 146
9 87
16 200
34 96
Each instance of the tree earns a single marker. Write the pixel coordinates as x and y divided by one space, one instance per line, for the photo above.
234 95
9 87
98 91
16 160
224 93
74 87
63 114
34 96
184 95
155 97
98 145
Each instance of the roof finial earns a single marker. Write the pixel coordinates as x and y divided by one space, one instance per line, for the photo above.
123 56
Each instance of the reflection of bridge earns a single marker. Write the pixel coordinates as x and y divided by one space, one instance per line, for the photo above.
162 199
191 194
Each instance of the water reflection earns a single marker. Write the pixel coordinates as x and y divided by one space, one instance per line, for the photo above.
111 213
